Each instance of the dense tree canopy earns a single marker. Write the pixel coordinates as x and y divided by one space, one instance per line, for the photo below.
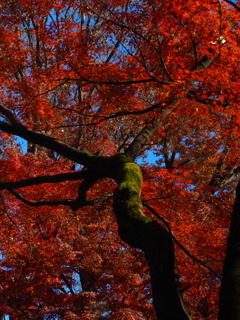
90 92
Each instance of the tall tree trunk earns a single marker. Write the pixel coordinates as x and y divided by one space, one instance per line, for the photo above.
146 234
229 303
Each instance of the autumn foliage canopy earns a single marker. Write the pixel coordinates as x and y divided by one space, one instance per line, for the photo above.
89 76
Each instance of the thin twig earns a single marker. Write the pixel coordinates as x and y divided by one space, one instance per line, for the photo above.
70 203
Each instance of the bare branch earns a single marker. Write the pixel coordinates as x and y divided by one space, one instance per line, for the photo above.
203 64
120 83
70 203
97 163
141 139
40 203
10 116
233 4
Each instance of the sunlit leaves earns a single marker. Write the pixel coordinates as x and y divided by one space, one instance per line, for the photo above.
87 73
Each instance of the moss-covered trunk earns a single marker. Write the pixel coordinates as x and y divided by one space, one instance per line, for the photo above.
142 232
229 307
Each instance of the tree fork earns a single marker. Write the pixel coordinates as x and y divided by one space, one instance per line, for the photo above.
140 231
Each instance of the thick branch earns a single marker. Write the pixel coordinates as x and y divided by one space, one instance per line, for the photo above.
203 64
10 116
89 180
233 4
84 186
44 179
96 163
141 139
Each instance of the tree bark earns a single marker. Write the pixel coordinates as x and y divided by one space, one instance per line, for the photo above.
142 232
229 303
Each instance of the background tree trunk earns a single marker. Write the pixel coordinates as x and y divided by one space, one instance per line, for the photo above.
229 308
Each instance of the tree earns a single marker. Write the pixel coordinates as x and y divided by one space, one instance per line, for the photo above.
102 93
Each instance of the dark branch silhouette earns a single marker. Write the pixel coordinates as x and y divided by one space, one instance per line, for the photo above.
190 255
